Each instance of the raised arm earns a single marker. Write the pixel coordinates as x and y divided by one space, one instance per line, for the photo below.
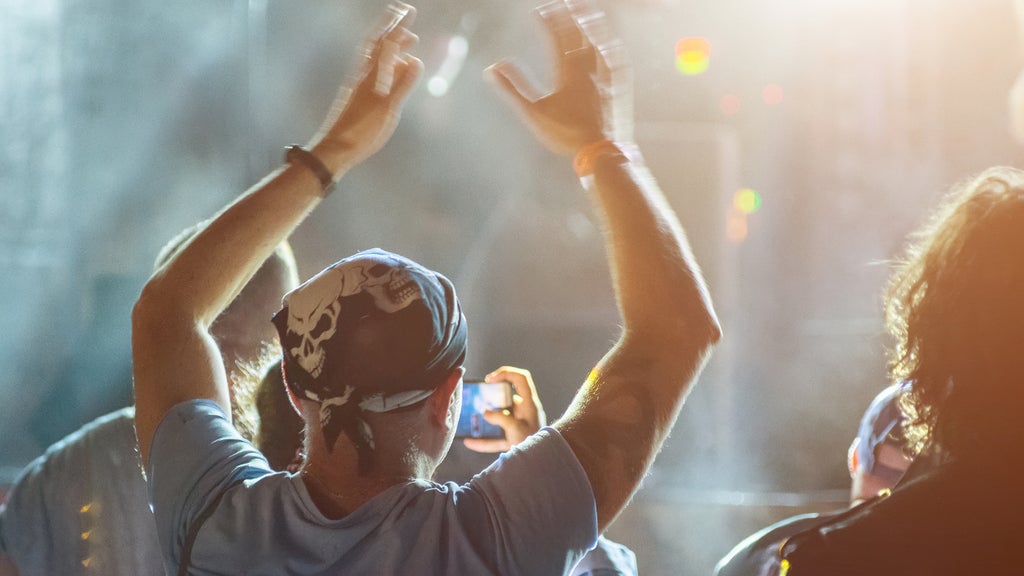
174 357
630 401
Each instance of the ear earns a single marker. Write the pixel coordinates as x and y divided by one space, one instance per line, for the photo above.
445 400
293 400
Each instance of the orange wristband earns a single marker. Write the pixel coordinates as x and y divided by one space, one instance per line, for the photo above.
586 157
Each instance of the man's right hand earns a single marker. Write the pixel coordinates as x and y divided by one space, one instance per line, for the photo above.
628 404
524 418
592 99
365 114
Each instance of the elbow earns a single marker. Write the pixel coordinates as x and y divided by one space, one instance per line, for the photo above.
157 306
147 307
699 332
712 330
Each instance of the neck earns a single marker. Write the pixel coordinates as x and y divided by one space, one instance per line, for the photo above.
337 488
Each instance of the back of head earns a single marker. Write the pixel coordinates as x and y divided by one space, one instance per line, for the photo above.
954 307
879 454
374 333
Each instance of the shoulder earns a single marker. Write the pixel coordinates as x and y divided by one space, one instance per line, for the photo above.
607 559
757 553
936 524
105 446
90 477
543 458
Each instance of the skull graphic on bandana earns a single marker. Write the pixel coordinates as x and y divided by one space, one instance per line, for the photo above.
314 307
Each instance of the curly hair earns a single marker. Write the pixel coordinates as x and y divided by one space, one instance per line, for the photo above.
261 411
955 307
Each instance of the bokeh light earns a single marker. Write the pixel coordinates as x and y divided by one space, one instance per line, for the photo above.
693 55
730 104
736 227
747 201
772 94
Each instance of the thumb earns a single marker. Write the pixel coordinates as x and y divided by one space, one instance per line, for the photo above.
510 80
502 418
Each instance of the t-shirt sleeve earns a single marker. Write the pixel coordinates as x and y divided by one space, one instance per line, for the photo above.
541 509
196 456
607 559
26 522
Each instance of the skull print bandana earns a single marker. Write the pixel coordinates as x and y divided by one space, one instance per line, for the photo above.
374 332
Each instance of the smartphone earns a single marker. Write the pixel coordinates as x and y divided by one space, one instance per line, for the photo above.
477 397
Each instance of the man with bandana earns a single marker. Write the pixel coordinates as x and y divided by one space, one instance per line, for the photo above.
82 507
373 349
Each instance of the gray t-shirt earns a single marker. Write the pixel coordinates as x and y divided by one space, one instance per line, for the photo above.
531 512
82 507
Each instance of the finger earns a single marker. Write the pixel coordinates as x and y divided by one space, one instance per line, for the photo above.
565 34
410 71
522 380
405 39
393 56
590 20
611 64
511 81
399 16
486 446
515 376
526 404
501 418
386 64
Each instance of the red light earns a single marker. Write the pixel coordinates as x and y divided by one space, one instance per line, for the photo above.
730 104
772 94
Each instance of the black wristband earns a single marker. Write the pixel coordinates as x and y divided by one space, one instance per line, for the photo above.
295 154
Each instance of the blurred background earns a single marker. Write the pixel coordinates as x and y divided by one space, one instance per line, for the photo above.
799 141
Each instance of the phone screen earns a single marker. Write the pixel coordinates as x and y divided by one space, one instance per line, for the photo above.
478 397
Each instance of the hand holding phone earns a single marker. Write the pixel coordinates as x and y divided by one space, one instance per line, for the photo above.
524 416
478 398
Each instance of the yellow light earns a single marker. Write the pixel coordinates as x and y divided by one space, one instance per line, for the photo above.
747 201
86 562
691 67
85 535
693 55
85 508
783 567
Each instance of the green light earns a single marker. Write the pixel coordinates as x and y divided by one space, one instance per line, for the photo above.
747 201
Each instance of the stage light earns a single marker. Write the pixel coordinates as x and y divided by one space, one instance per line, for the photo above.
772 94
736 227
747 201
441 82
437 86
693 55
730 104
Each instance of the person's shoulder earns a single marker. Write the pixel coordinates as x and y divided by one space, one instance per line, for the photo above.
608 558
759 551
109 437
939 523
